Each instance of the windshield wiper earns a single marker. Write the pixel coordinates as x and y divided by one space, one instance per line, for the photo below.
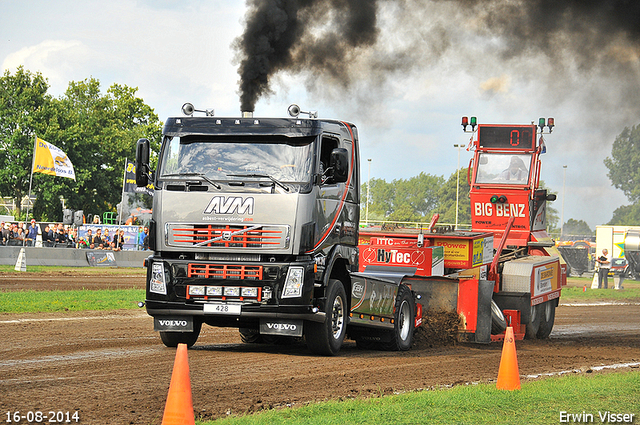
265 176
202 176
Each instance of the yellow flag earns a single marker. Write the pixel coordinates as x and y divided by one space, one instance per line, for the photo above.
49 159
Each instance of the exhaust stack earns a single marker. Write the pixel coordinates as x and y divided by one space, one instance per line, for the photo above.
247 114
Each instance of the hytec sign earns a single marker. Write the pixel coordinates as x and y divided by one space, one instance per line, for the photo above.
396 252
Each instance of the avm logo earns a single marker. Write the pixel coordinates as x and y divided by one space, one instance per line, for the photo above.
230 205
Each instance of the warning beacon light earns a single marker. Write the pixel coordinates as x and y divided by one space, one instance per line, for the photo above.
550 123
466 122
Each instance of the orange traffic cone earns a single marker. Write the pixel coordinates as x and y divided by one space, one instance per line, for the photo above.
508 374
179 407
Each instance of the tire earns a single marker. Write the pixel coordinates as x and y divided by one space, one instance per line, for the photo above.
498 322
532 327
326 338
172 339
547 317
404 320
253 336
249 335
366 344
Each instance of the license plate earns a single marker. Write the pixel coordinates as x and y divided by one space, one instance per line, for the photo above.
218 308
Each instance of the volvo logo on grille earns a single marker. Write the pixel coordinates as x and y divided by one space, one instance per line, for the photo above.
230 205
226 235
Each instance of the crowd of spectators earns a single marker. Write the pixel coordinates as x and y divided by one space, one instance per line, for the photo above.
59 235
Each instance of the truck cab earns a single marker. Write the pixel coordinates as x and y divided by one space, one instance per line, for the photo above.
255 226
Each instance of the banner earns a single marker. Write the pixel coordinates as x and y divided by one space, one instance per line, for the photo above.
49 159
130 180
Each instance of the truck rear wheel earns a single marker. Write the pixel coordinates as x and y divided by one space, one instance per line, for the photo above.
326 338
404 320
547 318
172 339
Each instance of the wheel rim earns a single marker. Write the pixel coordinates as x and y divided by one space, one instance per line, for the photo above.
547 311
337 317
404 318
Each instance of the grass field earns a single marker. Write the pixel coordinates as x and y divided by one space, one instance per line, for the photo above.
84 270
50 301
546 401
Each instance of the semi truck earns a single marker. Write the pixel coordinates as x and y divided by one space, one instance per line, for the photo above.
255 225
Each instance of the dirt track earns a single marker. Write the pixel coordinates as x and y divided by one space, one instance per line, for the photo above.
112 368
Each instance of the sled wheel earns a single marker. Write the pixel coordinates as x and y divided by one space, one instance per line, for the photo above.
498 322
533 325
548 315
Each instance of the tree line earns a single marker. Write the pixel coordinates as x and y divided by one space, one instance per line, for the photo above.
96 130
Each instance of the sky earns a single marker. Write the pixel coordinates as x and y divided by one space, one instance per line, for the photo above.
427 64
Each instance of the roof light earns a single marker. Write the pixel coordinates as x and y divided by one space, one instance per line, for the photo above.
541 124
466 122
551 122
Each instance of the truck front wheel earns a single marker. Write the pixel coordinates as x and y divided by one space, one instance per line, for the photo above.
172 339
326 338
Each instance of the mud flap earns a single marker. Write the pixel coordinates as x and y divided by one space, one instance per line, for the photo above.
281 327
173 324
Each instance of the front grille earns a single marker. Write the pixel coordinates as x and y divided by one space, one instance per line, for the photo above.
227 236
224 271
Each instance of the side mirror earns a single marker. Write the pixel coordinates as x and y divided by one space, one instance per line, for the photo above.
340 164
142 163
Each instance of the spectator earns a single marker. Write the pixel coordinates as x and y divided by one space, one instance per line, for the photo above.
88 239
145 244
141 236
145 238
46 236
32 233
72 237
106 239
60 237
6 233
96 219
118 240
17 236
98 242
52 234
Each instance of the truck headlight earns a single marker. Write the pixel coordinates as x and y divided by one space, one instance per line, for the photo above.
215 291
232 291
158 284
196 290
250 292
293 283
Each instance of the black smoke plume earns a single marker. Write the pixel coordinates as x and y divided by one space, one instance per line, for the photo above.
288 35
337 43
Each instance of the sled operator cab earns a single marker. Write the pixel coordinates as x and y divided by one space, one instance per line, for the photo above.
506 200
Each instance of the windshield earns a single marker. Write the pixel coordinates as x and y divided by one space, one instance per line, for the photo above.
217 158
500 168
